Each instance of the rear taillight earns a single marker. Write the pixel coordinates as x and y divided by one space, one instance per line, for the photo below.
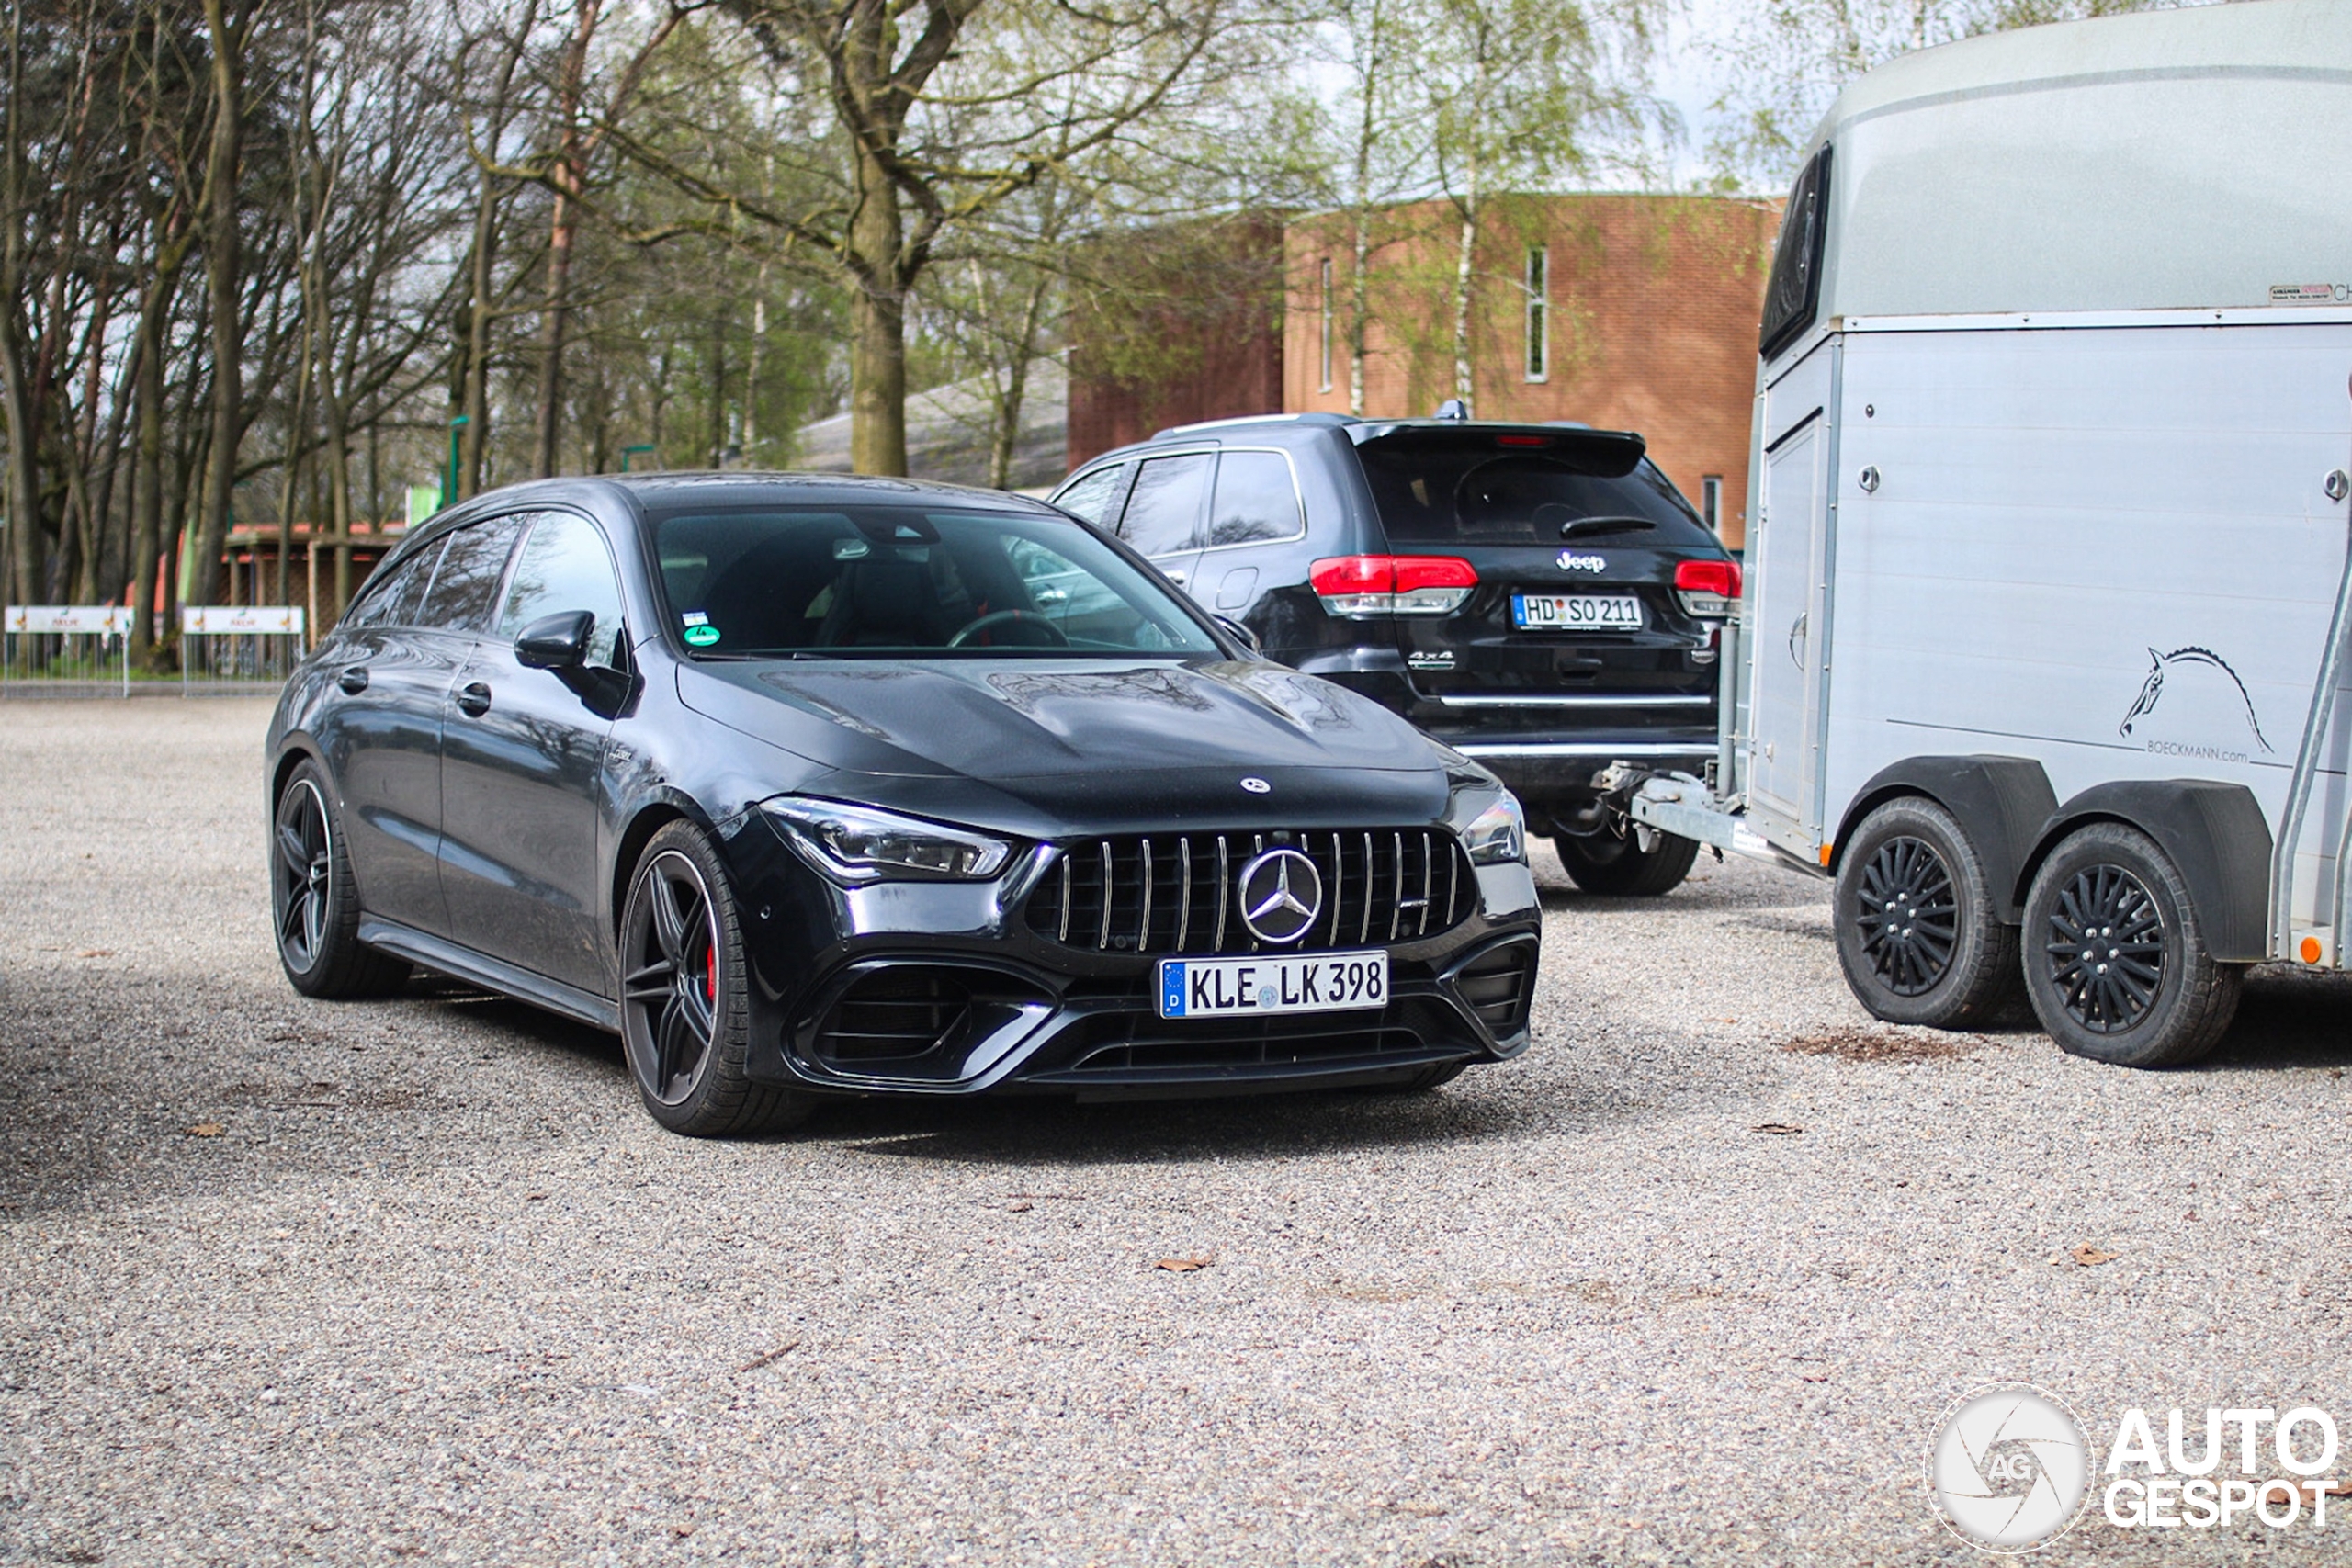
1709 589
1357 586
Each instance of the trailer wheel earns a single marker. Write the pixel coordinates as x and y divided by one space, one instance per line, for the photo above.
1605 863
2117 966
1919 933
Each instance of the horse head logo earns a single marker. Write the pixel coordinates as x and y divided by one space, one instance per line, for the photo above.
2154 687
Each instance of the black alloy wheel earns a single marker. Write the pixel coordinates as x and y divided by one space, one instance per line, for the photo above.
2119 970
685 1013
2106 947
1907 914
314 910
1919 926
305 865
670 984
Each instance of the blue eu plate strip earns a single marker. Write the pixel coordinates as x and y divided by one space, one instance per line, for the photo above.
1171 990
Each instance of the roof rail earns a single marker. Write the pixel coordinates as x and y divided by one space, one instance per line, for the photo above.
1311 418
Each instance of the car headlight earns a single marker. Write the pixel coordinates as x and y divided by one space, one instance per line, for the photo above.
862 843
1498 836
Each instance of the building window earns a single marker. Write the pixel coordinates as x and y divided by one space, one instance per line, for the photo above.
1325 287
1711 502
1539 313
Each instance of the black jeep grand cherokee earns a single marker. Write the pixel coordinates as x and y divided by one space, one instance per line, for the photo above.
1537 596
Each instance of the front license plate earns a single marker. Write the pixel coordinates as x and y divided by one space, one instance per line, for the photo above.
1234 987
1575 612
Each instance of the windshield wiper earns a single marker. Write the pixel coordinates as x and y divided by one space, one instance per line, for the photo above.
1584 525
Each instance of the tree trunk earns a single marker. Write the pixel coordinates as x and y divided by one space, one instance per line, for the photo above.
475 394
877 358
554 315
16 390
1359 281
474 382
1007 434
223 269
752 453
1464 276
147 475
1005 439
717 427
24 469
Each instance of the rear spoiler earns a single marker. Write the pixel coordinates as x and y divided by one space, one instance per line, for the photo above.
1605 454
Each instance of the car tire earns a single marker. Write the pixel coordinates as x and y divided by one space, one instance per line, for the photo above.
1602 862
313 901
1918 925
685 1000
2153 995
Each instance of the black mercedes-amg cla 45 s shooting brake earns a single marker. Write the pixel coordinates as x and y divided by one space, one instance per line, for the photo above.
817 785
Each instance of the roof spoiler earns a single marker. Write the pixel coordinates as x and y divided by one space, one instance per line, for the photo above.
1605 454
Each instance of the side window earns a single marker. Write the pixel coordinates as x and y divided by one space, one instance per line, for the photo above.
1256 500
465 587
1163 515
1792 296
1097 496
565 566
395 599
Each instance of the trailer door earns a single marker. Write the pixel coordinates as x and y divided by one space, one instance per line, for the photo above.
1786 621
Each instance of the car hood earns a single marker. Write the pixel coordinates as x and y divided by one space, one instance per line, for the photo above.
1080 735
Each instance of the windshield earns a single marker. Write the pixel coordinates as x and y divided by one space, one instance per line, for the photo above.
1472 493
896 580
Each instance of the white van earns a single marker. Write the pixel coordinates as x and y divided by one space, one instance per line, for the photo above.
2043 653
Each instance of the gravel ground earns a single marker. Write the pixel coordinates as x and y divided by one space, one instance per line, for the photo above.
286 1279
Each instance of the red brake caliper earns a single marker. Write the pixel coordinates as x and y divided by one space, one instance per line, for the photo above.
710 978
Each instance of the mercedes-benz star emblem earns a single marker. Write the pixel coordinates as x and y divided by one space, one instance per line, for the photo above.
1280 893
1255 786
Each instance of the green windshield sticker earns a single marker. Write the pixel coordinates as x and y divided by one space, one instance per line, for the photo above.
701 636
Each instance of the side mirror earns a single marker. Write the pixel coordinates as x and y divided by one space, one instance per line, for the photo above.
556 642
1240 634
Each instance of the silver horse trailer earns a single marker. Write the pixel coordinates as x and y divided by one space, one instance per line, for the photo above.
2043 656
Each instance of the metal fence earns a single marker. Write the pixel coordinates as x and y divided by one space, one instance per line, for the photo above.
240 649
83 650
65 651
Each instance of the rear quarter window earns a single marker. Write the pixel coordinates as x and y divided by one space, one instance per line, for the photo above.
394 601
1096 497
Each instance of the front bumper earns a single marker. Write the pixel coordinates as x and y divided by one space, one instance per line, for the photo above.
943 989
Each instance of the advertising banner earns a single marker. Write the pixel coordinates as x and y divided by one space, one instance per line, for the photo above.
242 620
82 620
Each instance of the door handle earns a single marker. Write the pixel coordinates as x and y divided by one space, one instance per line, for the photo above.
354 679
1797 634
473 699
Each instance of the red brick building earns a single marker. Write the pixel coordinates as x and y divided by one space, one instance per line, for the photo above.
1635 312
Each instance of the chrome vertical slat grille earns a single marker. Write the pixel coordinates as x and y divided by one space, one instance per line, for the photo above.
1154 895
1184 898
1224 894
1110 883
